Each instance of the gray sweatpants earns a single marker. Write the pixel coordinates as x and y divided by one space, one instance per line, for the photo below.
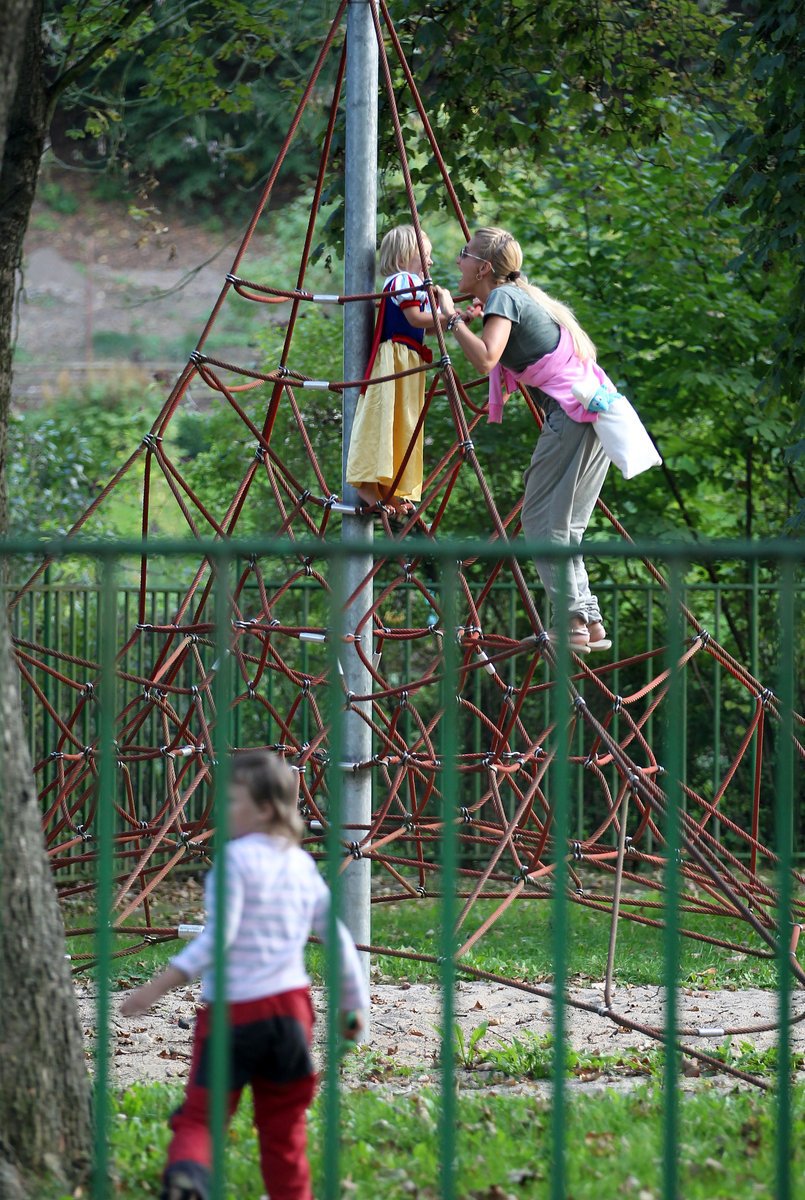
562 484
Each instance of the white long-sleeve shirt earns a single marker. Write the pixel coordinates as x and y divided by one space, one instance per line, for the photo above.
274 897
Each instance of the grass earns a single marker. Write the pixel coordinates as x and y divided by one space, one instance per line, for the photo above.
518 946
390 1145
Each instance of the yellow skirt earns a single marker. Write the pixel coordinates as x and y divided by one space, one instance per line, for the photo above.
384 425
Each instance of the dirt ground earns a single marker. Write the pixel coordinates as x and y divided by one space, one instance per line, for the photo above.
147 283
405 1031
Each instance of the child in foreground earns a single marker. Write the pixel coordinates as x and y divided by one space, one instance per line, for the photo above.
387 413
274 897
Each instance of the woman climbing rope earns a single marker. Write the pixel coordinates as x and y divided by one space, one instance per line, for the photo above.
539 341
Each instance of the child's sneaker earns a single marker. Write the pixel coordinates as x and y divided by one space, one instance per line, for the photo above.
185 1181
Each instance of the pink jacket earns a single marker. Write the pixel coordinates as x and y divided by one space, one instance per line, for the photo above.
555 374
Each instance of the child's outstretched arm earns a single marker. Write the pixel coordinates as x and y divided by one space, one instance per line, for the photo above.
354 994
419 319
142 998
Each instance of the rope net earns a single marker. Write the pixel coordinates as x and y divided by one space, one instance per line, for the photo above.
512 702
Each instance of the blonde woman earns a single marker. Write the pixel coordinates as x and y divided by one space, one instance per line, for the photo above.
529 336
384 430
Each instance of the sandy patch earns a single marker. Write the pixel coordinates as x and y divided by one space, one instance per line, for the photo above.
406 1027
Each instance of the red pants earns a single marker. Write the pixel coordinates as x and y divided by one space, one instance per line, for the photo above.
270 1040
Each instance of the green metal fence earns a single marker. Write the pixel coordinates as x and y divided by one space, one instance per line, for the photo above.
104 628
65 616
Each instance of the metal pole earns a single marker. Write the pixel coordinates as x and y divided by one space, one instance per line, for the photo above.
360 232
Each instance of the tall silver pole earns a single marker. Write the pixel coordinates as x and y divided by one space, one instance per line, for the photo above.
360 233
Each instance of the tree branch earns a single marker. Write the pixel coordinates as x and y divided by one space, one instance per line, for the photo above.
63 81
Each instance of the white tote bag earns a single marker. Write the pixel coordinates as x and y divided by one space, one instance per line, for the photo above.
620 431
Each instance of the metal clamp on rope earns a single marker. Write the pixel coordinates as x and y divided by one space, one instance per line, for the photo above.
403 699
83 833
355 850
54 754
250 688
230 278
578 854
421 890
427 282
197 357
520 876
331 500
260 453
466 816
282 371
88 753
765 696
150 440
704 638
409 823
579 702
617 704
465 446
445 361
591 759
144 628
603 1010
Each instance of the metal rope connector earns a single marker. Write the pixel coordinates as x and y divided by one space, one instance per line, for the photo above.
197 357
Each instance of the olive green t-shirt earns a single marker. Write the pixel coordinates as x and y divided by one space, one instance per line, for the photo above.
534 331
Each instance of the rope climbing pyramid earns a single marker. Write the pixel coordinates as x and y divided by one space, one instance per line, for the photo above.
511 699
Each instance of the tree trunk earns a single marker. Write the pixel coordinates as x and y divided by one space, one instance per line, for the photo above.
23 125
45 1125
45 1122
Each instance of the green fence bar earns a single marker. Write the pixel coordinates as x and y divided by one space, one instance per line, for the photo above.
220 1033
672 831
784 805
450 807
92 626
560 787
331 1183
104 832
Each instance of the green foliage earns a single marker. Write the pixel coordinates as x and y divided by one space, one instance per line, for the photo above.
57 464
766 150
198 96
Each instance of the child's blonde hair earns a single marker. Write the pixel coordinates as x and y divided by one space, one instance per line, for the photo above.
271 782
398 248
504 253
